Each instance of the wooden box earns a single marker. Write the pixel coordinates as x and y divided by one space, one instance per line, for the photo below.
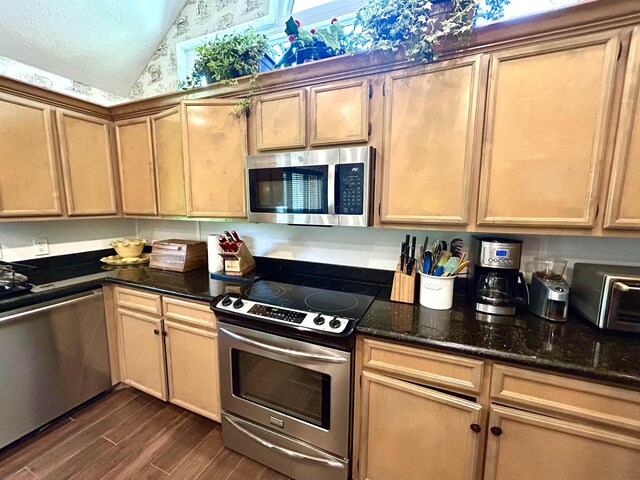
178 255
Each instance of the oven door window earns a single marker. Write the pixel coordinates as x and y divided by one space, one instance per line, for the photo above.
289 190
295 391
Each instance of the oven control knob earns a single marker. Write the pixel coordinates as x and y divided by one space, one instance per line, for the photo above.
226 301
238 303
335 323
319 320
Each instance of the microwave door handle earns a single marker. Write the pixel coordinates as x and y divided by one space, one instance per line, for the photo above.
331 188
286 451
284 351
623 287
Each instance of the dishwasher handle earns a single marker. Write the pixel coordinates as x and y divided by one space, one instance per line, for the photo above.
30 311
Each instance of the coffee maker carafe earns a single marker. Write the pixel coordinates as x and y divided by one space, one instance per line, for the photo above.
498 285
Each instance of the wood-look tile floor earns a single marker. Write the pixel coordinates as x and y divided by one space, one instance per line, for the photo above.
127 434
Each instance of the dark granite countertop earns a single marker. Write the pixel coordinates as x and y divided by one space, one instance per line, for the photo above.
575 347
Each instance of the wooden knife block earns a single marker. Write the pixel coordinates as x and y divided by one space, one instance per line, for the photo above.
240 262
404 286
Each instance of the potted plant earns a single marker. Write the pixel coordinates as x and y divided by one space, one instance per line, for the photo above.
418 26
231 56
313 44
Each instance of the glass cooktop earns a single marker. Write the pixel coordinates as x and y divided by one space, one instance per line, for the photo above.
314 294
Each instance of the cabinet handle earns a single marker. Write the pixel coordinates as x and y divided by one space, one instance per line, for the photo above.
475 428
164 333
156 331
497 431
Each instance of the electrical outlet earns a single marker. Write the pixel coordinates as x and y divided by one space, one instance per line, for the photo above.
41 246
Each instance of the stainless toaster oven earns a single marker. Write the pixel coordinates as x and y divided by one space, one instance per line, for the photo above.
607 295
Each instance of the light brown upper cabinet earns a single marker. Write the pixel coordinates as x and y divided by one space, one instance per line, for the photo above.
546 123
333 114
214 143
87 164
623 205
430 140
281 120
29 183
339 113
135 161
167 151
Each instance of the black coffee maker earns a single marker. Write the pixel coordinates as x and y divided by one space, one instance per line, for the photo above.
498 284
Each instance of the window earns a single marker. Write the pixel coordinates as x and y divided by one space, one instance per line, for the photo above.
523 8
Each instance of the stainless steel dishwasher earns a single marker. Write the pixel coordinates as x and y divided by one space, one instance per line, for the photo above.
53 357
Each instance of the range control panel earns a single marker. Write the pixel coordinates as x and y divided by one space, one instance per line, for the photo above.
309 320
350 188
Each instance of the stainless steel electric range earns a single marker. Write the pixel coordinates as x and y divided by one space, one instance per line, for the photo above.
285 347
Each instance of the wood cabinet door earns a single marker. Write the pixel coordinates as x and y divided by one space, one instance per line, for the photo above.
532 447
546 124
339 112
142 353
411 432
623 204
135 162
28 173
214 142
87 164
192 369
430 139
281 120
167 150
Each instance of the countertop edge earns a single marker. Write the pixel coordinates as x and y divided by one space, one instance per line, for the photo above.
610 378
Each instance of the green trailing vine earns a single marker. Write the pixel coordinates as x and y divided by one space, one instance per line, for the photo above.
416 27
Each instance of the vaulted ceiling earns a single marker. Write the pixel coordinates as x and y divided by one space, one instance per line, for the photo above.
105 44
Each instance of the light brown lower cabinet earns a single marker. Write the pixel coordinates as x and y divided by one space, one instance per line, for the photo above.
171 354
412 432
527 446
142 352
192 369
413 422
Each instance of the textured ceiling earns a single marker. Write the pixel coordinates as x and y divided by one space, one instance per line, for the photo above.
103 43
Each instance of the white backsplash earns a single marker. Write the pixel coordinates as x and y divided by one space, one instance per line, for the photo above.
361 247
63 236
379 248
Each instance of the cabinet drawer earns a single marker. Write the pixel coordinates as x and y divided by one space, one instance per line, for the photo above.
567 396
198 314
138 300
439 369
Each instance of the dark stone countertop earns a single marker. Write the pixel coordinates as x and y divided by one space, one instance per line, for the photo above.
575 347
194 285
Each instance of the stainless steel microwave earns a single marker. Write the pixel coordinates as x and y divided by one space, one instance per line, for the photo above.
607 295
315 187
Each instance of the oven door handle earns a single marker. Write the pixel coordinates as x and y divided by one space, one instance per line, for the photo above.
623 287
284 351
286 451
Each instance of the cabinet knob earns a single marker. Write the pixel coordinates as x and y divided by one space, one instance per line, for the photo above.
496 431
164 333
156 331
475 427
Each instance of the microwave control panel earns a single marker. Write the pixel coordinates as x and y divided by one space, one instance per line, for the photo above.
350 189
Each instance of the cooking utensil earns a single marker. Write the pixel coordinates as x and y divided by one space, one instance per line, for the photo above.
426 266
236 237
456 247
438 272
402 256
451 266
412 260
461 267
229 236
436 251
